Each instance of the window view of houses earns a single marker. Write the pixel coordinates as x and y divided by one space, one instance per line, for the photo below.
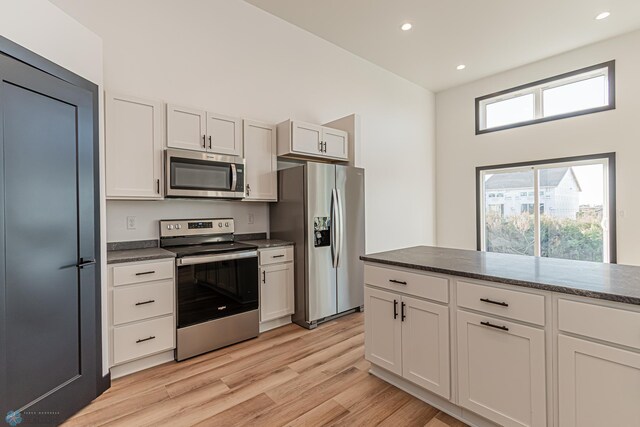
570 203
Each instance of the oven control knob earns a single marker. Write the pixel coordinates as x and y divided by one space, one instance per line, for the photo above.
226 224
178 226
170 227
220 225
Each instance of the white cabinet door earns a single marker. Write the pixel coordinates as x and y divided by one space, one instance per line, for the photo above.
335 143
276 291
501 370
306 138
599 385
383 329
186 128
425 345
261 161
133 147
224 135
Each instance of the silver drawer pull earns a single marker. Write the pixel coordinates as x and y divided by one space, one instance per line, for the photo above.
145 272
146 302
503 304
145 339
400 282
491 325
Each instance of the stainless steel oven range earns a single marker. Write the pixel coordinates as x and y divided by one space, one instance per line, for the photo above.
216 284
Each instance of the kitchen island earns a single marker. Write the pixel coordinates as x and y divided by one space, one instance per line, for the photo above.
497 339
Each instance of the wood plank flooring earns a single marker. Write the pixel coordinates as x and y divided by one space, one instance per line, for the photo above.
285 377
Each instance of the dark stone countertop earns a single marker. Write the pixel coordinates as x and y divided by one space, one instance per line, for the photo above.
613 282
267 243
133 255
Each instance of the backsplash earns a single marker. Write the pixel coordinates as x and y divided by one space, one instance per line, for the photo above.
148 213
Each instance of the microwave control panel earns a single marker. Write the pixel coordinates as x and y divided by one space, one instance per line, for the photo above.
321 231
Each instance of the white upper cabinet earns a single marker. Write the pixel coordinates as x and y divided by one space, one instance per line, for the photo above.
224 135
335 143
193 129
186 128
261 161
306 138
134 131
299 139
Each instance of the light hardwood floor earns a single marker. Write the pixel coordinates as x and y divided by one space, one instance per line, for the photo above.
288 376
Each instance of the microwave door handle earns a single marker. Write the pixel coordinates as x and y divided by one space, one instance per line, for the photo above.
234 177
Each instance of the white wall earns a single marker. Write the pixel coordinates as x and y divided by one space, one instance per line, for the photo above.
148 213
233 58
47 31
459 150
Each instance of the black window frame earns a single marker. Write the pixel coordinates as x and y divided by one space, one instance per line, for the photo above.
611 75
611 158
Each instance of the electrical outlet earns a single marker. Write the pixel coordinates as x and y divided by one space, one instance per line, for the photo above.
131 223
251 218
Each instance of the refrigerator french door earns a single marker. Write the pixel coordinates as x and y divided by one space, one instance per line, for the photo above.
321 209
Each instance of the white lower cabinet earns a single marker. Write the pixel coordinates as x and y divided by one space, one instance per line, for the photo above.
599 385
409 337
276 287
501 370
141 313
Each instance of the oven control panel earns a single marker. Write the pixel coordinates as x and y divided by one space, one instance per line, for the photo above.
195 227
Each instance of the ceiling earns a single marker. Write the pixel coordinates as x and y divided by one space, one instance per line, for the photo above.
488 36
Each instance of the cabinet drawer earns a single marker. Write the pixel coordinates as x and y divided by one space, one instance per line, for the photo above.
605 323
142 272
277 255
512 304
132 303
142 339
416 284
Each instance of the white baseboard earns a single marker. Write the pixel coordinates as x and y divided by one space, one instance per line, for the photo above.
432 399
275 323
140 364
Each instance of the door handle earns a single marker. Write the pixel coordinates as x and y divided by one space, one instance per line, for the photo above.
234 177
334 229
209 142
145 272
145 339
325 146
399 282
340 230
85 263
487 300
402 315
264 277
158 186
395 309
491 325
146 302
204 141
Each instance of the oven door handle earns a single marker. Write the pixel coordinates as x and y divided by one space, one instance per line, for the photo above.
203 259
234 177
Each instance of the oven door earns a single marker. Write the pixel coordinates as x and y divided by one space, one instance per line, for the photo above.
195 174
216 286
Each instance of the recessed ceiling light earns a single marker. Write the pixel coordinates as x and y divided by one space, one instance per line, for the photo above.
406 26
461 67
603 15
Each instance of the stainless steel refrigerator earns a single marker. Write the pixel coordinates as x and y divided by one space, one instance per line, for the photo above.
321 209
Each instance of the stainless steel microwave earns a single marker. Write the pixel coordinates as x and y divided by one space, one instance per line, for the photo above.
197 174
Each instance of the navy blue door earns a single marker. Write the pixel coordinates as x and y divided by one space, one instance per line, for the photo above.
48 303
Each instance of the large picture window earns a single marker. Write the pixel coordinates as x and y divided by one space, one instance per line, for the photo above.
563 208
584 91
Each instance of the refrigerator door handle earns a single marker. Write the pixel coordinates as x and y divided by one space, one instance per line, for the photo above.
340 231
334 228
